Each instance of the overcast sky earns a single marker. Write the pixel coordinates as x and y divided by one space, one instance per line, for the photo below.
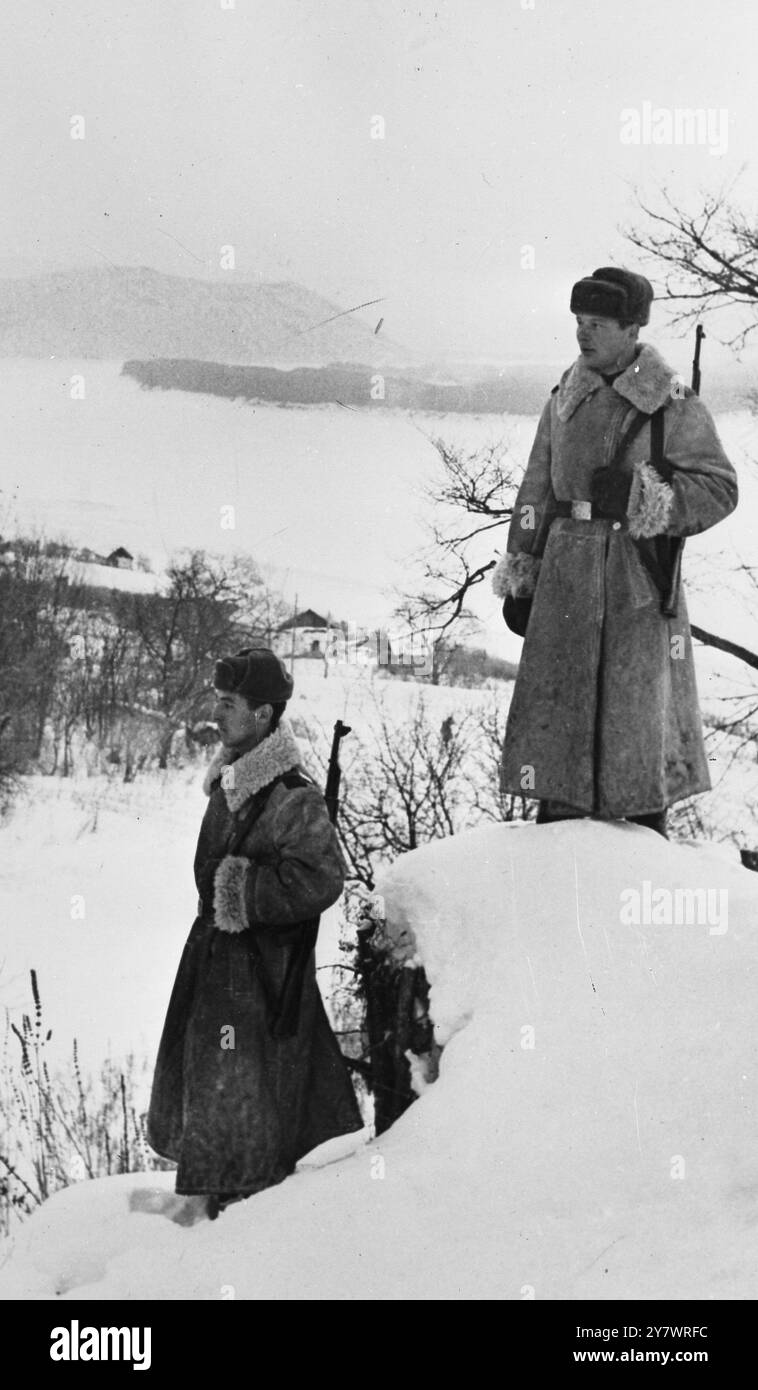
250 126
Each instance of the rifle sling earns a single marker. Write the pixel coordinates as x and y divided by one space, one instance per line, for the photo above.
660 555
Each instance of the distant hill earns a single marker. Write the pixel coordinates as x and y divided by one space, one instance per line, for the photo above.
201 334
123 311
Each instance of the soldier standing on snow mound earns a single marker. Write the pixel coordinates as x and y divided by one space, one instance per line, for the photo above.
249 1076
626 462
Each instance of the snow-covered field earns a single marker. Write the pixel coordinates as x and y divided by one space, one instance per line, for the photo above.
331 500
328 497
592 1134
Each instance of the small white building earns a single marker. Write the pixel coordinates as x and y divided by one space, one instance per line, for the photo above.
308 634
120 559
305 634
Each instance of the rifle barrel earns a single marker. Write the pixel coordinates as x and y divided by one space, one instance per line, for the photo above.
331 791
699 335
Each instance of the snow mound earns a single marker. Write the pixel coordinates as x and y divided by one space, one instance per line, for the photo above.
592 1134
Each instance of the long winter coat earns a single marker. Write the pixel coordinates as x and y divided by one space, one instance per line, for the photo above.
605 715
233 1106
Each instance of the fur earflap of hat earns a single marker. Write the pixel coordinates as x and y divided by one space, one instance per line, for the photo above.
614 294
255 672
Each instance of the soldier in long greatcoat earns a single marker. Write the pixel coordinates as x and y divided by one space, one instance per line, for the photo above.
249 1076
605 719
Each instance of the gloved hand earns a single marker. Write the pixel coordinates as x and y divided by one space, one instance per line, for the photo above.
610 491
516 613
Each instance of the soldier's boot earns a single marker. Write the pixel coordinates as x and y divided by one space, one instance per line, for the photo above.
654 820
219 1201
548 811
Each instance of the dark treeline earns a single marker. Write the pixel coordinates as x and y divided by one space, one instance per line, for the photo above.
519 389
348 384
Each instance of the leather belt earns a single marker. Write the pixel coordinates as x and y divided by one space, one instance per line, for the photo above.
584 511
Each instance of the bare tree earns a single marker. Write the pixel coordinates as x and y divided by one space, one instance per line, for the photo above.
707 259
40 601
213 604
122 669
469 503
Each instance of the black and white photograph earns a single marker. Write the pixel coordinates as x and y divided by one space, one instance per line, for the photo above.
379 664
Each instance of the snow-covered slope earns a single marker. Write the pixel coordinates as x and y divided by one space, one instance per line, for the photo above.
126 581
592 1133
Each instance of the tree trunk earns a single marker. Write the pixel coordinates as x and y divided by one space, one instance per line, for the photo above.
164 748
397 1021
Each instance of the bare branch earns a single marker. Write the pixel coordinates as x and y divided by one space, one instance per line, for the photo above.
723 644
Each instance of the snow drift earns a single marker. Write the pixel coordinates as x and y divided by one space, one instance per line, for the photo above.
592 1134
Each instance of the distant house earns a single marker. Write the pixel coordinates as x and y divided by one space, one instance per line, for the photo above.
310 634
307 634
120 559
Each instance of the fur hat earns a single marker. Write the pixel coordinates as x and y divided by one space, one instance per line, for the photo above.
614 294
255 672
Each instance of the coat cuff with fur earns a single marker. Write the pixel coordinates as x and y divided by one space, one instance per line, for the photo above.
229 894
650 503
516 576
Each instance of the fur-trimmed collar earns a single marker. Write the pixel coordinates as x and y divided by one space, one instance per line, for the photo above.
646 383
276 754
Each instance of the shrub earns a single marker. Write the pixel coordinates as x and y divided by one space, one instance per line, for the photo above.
60 1126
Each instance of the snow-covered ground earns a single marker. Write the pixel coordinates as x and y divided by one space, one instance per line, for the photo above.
614 1158
593 1132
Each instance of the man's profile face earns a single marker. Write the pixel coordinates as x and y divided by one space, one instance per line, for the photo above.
237 723
603 343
